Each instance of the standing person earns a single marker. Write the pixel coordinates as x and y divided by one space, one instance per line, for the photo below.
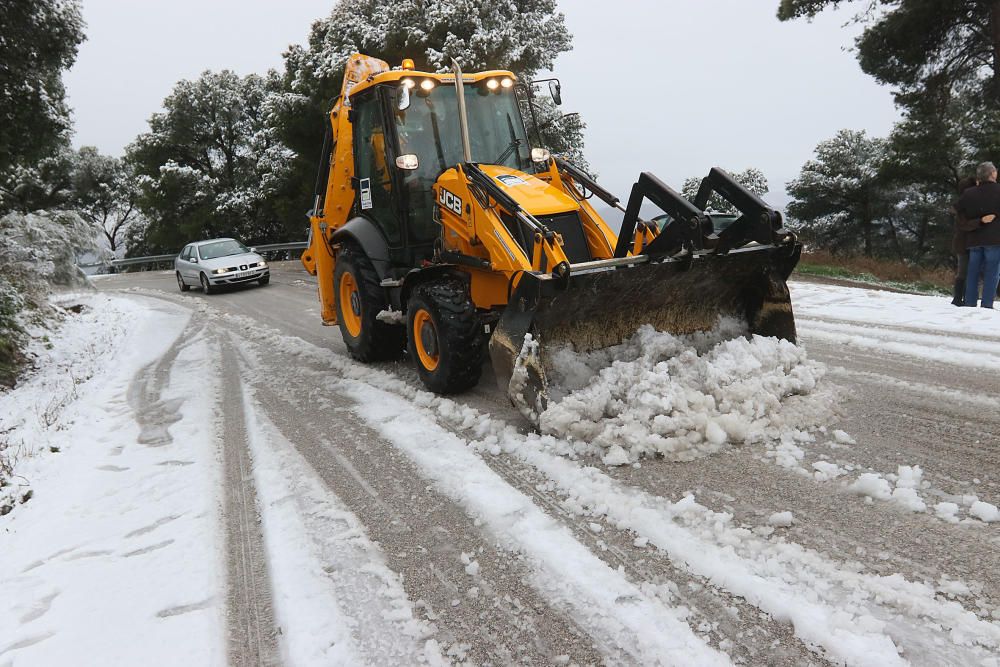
983 203
962 227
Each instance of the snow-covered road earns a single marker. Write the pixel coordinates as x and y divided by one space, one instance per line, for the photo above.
229 486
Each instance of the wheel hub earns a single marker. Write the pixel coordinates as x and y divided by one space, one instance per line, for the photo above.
428 339
355 303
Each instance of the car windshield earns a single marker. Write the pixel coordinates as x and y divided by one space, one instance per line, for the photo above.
221 249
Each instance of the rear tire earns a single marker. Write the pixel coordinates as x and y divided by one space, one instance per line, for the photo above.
180 283
359 299
206 286
444 336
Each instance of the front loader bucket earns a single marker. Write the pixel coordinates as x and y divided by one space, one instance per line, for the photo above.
601 308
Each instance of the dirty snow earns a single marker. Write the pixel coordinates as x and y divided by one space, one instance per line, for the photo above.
307 530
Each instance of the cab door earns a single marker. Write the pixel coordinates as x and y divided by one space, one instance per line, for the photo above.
376 198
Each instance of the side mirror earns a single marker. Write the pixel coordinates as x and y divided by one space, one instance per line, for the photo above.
408 162
253 249
194 259
555 90
404 95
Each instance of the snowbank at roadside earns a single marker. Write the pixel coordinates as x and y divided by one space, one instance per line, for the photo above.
831 302
116 557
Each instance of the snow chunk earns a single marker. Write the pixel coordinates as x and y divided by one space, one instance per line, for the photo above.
946 511
826 471
781 519
872 485
986 512
391 316
909 499
685 397
616 456
843 438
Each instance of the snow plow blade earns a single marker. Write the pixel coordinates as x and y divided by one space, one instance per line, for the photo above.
605 303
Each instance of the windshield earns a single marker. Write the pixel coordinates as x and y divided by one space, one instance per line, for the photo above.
221 249
428 128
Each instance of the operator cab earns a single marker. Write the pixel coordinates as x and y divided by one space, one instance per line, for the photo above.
408 132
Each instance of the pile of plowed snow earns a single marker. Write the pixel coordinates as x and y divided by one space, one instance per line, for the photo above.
686 396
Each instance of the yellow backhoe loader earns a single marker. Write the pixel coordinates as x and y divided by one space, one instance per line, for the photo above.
438 227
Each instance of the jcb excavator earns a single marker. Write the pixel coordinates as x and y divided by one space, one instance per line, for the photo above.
434 209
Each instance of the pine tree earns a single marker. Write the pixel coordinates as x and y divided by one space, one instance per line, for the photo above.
916 45
211 164
751 178
105 194
38 41
840 201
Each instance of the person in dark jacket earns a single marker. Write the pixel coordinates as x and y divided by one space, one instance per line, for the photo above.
962 227
983 203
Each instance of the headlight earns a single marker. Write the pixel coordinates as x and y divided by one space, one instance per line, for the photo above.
492 84
506 82
261 264
540 155
427 84
218 272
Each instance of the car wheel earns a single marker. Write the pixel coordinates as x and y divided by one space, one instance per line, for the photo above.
180 283
206 286
265 280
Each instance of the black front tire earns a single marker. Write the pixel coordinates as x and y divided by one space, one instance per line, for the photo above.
263 281
206 286
375 341
180 283
457 336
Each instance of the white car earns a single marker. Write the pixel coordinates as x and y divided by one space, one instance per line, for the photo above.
219 262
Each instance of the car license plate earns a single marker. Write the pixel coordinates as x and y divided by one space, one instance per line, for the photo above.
244 274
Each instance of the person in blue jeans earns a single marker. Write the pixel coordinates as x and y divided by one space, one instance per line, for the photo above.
983 243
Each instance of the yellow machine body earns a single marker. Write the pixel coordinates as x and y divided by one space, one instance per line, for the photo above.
523 250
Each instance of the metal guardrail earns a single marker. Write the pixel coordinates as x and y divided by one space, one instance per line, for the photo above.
162 259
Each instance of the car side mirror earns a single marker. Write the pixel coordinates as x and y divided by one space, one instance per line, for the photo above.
555 90
253 249
194 259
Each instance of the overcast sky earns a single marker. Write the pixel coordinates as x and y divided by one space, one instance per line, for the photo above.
669 86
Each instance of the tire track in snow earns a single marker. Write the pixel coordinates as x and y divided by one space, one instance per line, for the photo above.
497 618
749 576
252 632
721 617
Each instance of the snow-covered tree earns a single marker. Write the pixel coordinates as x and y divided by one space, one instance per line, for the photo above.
751 178
105 193
840 198
45 184
39 250
211 163
38 41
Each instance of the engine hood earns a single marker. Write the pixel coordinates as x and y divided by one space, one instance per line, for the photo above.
533 194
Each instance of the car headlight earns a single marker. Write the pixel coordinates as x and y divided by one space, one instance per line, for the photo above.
218 272
261 264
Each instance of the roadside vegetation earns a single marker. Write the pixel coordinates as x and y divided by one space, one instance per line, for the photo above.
895 274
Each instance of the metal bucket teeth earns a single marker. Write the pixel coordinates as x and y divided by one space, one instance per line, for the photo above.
599 309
